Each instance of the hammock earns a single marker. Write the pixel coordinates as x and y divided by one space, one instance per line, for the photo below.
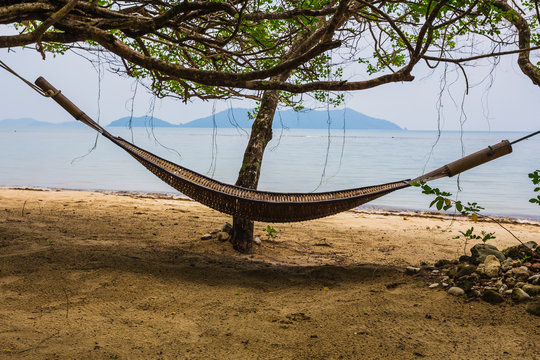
263 205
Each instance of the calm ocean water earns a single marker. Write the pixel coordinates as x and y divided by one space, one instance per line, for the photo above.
294 162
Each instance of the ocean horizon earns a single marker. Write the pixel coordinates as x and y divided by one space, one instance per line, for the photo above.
296 160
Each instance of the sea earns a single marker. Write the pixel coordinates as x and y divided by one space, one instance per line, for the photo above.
296 160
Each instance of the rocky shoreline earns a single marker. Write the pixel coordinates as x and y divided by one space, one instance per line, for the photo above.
490 275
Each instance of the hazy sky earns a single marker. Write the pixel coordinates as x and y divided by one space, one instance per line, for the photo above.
512 100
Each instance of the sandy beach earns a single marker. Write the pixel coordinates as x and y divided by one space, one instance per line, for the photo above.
91 275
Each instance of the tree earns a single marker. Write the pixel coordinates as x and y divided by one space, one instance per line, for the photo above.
274 50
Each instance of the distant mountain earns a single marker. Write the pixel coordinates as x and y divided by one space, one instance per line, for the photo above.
238 117
141 121
306 119
25 122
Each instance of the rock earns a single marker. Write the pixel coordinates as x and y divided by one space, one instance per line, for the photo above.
532 245
435 272
481 270
456 291
257 241
534 307
443 284
503 289
492 265
492 297
536 266
473 293
521 273
520 284
506 265
518 252
223 236
516 263
465 282
519 295
206 237
510 281
227 227
464 270
434 286
480 251
531 289
465 259
443 263
535 279
411 270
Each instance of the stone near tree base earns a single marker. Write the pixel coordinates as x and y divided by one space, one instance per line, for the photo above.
227 227
519 295
206 237
492 297
479 252
223 236
257 241
492 266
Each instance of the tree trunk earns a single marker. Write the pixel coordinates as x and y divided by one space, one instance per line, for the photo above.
248 177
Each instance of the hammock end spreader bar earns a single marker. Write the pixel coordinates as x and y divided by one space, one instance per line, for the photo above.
468 162
70 107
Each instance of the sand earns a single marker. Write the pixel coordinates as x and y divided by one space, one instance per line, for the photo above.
88 275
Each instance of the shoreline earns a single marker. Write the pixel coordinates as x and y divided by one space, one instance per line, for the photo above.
364 209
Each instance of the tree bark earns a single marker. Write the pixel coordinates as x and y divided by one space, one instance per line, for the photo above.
248 176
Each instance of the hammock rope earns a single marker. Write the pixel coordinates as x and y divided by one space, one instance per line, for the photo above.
258 205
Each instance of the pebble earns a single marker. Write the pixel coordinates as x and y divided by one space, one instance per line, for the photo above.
535 279
257 241
463 270
492 297
434 286
503 289
206 237
506 265
492 266
519 295
521 272
223 236
411 270
531 289
534 307
456 291
227 227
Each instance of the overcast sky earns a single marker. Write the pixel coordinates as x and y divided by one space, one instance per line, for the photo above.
512 99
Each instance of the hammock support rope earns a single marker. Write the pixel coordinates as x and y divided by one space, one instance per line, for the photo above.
262 205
